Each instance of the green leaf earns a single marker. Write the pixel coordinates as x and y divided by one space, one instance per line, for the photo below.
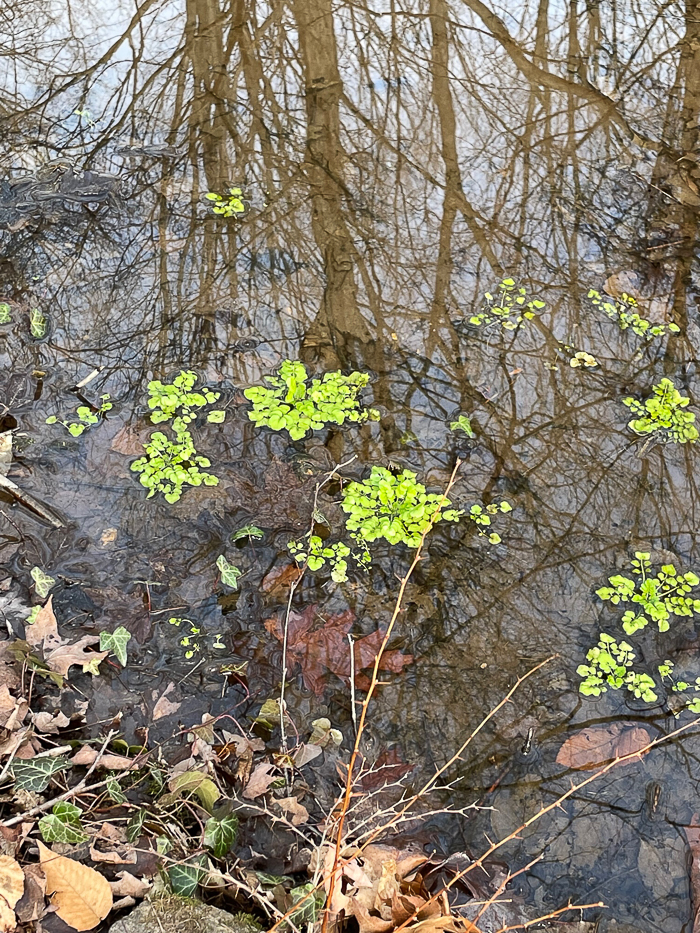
116 642
247 531
42 582
63 824
135 824
229 573
216 417
220 834
52 419
35 774
310 910
185 878
114 790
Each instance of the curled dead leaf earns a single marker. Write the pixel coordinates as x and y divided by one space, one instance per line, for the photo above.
260 781
296 811
87 755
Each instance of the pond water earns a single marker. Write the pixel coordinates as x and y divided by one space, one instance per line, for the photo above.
397 161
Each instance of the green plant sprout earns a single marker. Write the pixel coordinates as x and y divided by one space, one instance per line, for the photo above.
621 310
396 508
680 686
609 664
87 417
509 307
191 641
481 516
294 405
229 573
166 398
663 416
247 531
227 206
659 596
5 316
170 465
37 324
463 423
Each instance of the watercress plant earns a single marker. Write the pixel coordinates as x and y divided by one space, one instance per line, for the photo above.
663 415
509 307
298 406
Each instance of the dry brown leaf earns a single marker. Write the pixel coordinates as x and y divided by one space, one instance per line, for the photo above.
65 656
365 920
164 706
597 745
31 905
81 895
8 918
306 753
129 886
44 631
50 723
297 812
260 781
445 924
87 755
11 880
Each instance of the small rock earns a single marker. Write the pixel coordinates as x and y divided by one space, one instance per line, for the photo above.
171 914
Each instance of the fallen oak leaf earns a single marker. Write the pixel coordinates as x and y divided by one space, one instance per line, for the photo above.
11 881
319 650
61 659
81 895
596 745
164 706
50 723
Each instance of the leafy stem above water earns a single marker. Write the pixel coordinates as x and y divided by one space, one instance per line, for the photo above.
659 596
609 664
509 307
298 406
86 417
228 206
622 311
663 415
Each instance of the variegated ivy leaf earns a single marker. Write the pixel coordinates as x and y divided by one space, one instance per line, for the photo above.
116 642
185 878
35 775
42 582
63 825
219 835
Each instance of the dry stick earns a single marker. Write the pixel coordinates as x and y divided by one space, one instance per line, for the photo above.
349 781
430 783
78 789
555 805
27 499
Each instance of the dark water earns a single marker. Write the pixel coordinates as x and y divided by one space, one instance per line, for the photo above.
396 161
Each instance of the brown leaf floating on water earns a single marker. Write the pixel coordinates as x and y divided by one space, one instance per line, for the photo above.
596 745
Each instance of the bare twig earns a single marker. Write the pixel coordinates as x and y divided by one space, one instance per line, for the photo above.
31 503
